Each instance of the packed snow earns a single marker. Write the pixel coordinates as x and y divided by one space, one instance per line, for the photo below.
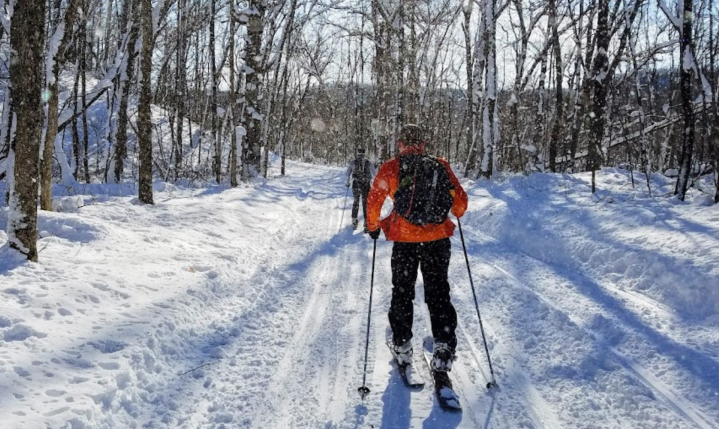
247 308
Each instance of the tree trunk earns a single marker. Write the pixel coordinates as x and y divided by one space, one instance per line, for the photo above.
254 75
53 105
181 79
26 79
233 100
75 131
540 121
144 116
478 72
83 98
686 77
285 127
108 21
715 130
600 84
217 164
559 115
126 78
490 119
468 58
584 89
401 62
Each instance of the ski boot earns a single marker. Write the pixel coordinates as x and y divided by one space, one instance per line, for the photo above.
442 358
403 353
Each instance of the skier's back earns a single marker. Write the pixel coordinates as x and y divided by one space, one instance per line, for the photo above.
424 189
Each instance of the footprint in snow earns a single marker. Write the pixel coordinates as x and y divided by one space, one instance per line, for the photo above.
20 332
5 322
223 418
21 372
109 365
101 286
19 294
55 393
56 412
107 346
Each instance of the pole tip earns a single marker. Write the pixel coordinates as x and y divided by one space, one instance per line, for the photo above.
363 391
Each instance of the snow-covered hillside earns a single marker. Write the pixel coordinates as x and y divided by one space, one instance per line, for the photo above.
239 308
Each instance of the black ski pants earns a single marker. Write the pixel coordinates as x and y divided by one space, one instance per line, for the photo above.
360 192
433 259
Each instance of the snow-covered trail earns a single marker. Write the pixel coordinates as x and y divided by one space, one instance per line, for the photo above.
224 308
625 333
247 308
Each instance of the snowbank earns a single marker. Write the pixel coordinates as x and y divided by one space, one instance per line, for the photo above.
657 246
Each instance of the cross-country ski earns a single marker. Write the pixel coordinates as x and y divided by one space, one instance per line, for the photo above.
406 367
447 398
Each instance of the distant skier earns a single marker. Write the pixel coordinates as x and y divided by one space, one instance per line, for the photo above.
360 171
424 190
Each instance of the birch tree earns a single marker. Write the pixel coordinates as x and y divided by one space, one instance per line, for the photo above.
252 116
490 118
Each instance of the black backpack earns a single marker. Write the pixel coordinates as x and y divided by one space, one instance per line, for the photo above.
423 195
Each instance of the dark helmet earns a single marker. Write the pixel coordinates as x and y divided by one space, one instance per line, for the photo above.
360 152
411 135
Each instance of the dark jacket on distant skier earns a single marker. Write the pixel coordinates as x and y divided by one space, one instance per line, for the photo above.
360 172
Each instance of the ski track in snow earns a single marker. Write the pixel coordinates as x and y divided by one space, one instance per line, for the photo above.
682 407
254 315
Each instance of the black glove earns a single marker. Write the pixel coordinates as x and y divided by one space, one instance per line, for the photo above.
374 234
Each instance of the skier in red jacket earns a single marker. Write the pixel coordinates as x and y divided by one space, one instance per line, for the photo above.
420 242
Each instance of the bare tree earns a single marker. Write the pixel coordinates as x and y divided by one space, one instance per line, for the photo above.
26 79
254 75
233 136
55 58
558 73
126 77
687 70
144 119
490 118
217 163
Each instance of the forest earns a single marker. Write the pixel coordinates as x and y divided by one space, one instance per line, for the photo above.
190 91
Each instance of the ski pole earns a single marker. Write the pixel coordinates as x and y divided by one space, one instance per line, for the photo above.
344 206
364 390
476 305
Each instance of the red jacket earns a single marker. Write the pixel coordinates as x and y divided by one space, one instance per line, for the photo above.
395 227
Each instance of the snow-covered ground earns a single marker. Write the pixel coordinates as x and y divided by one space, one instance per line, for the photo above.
239 308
